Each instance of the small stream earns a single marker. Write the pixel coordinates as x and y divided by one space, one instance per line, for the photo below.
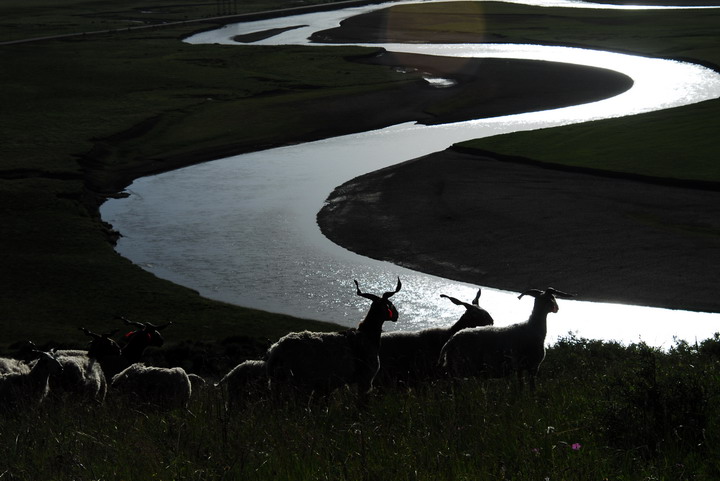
242 229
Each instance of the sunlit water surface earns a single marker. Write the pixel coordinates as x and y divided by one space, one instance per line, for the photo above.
243 229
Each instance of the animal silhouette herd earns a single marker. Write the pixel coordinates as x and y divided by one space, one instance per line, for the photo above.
298 364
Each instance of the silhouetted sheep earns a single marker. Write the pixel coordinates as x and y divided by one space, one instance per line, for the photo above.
498 351
32 387
324 361
166 388
407 357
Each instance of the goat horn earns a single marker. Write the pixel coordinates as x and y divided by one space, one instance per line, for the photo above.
89 333
455 301
560 294
158 328
372 297
531 292
131 323
387 295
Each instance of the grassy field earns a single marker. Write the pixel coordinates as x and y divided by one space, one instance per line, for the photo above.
86 115
24 19
601 412
82 116
675 144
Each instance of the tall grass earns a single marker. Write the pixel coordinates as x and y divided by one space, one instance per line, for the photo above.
602 411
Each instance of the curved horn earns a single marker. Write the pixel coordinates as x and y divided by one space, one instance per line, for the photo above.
388 295
90 333
455 301
160 327
372 297
131 323
560 294
531 292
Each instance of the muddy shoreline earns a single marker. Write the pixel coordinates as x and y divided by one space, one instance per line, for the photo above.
513 226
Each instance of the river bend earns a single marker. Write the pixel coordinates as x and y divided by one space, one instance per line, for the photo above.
243 230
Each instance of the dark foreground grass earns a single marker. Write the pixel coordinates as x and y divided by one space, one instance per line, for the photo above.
602 411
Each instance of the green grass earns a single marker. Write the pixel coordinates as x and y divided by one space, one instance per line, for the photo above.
601 411
673 144
23 19
635 412
90 113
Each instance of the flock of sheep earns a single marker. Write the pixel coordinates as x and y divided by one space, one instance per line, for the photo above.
304 363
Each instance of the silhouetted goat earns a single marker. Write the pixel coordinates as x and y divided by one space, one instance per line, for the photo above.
498 351
322 362
407 357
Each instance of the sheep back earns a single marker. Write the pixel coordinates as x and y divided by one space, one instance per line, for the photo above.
320 361
13 366
493 351
18 389
245 375
82 377
245 379
163 387
409 356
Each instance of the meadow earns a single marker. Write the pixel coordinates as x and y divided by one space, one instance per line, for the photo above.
601 411
82 116
86 115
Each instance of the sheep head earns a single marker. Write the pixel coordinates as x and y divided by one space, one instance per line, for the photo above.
381 309
101 346
545 300
474 316
47 362
135 342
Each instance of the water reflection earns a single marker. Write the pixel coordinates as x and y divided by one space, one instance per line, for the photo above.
243 229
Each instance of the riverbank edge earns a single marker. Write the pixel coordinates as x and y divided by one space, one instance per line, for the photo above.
120 180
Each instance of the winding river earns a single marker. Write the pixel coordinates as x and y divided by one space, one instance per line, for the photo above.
242 229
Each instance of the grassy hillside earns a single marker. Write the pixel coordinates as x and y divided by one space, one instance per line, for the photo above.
676 144
85 115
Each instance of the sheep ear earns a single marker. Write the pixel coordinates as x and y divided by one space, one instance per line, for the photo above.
477 298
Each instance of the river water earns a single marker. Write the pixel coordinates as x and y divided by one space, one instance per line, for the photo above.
242 229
